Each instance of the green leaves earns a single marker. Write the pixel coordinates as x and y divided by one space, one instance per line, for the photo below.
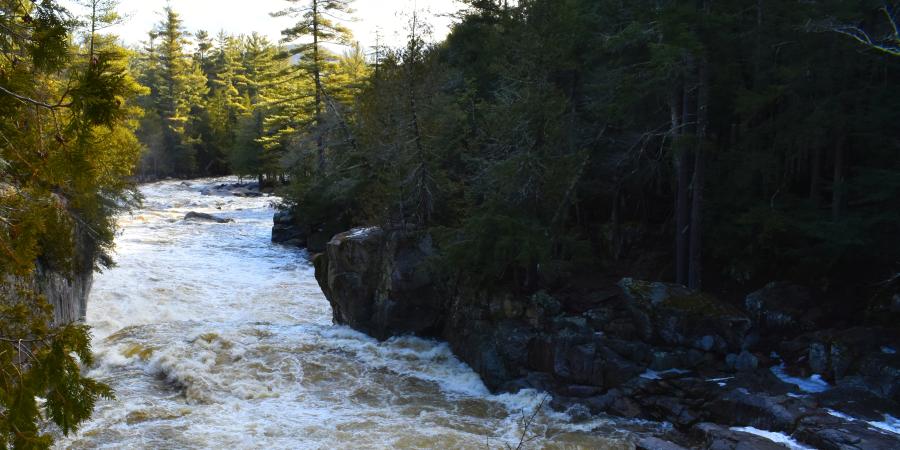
41 372
67 143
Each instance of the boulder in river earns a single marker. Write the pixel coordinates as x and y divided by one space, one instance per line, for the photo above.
287 230
193 215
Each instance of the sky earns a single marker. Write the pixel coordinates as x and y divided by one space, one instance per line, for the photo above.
247 16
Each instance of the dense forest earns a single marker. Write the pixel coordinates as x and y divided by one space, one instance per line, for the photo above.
236 104
543 139
716 144
544 144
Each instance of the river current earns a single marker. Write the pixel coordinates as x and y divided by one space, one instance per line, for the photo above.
213 337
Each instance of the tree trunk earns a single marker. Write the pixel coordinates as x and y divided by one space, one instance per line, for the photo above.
696 244
93 30
837 196
317 74
683 161
815 177
681 193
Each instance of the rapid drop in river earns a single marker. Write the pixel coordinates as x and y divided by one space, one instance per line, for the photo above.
213 337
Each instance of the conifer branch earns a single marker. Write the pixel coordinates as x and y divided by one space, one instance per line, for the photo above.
29 100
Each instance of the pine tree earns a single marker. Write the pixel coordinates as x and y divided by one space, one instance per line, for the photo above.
67 148
181 86
226 105
320 22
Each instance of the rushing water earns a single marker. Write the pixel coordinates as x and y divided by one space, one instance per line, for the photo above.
213 337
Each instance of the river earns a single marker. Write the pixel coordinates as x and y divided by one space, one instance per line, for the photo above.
213 337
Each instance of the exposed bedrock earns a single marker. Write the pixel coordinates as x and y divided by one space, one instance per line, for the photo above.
66 290
634 349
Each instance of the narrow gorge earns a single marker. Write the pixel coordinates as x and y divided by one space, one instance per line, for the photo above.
212 336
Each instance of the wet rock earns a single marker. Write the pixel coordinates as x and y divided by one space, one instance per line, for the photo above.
287 230
245 192
625 407
780 307
858 401
578 413
861 356
717 437
828 432
206 217
234 189
758 409
818 357
655 443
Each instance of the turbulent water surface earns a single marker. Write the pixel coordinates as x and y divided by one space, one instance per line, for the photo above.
213 337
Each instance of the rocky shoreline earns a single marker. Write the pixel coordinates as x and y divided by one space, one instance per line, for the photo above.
633 349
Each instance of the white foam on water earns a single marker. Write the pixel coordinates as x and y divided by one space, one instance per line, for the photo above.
774 436
722 382
840 415
813 384
213 337
890 424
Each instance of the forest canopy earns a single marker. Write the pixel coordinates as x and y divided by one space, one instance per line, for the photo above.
712 143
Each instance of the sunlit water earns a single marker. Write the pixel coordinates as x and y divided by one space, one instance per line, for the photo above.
213 337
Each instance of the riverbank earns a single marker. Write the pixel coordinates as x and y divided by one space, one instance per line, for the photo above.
212 336
635 349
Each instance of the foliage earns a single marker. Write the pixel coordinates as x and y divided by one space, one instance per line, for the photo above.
546 134
67 148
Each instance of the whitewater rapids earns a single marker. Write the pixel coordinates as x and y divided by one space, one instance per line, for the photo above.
213 337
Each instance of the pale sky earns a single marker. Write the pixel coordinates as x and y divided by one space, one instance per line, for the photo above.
246 16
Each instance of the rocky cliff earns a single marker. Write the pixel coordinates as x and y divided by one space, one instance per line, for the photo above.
635 349
65 290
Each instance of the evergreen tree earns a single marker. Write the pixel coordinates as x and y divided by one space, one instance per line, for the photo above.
319 21
67 148
179 88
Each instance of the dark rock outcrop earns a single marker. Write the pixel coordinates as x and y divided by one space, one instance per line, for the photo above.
378 284
859 358
65 290
716 437
634 349
782 307
193 215
287 231
234 189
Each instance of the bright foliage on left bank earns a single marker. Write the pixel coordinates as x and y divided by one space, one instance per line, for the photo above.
67 150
